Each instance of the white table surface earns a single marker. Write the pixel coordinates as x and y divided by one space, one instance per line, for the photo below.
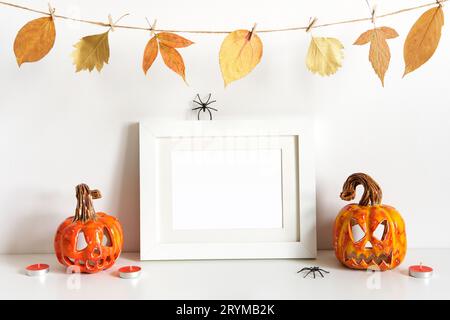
228 279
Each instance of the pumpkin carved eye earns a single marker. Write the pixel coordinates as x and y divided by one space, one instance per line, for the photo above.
357 232
106 241
380 231
81 241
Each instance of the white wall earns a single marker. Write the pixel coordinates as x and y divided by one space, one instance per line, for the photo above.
58 128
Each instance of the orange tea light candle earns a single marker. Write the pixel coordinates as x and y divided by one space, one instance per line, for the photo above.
129 272
38 269
420 271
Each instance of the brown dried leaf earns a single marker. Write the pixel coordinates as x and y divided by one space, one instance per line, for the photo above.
34 40
389 33
173 40
172 59
423 39
364 38
150 54
379 53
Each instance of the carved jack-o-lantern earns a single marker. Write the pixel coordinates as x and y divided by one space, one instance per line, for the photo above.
90 241
368 235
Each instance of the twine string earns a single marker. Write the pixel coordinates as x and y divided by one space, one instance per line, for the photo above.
117 26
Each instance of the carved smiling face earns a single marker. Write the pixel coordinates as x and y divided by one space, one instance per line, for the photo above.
90 241
92 246
369 237
368 234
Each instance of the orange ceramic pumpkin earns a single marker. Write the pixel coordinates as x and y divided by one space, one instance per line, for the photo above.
369 234
90 241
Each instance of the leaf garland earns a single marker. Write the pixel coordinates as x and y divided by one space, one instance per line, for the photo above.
241 50
324 56
167 42
34 40
240 53
423 39
91 52
379 53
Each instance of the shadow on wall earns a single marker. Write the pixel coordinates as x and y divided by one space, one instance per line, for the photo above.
127 187
31 232
30 226
41 215
324 223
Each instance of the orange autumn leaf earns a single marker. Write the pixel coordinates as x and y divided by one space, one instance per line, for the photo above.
379 53
34 40
172 59
167 42
240 53
423 39
150 54
173 40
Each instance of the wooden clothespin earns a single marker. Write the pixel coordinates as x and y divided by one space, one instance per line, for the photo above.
51 10
373 13
111 22
152 26
312 22
252 32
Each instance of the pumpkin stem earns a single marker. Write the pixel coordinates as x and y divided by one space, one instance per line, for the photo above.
372 191
85 210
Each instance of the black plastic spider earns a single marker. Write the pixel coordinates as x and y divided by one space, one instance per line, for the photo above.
204 106
313 270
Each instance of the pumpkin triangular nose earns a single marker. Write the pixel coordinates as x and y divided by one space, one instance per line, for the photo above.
368 245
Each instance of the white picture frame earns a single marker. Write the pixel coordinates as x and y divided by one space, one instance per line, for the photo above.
160 145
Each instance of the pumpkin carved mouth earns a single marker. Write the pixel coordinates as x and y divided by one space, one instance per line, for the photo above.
369 258
88 263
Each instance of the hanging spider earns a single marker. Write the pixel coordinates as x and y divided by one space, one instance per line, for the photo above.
204 106
313 270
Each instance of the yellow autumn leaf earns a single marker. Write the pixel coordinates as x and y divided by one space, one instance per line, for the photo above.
150 54
423 39
240 53
34 40
379 53
324 56
172 59
91 52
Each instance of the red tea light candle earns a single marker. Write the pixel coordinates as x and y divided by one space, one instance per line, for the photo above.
420 271
38 269
129 272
